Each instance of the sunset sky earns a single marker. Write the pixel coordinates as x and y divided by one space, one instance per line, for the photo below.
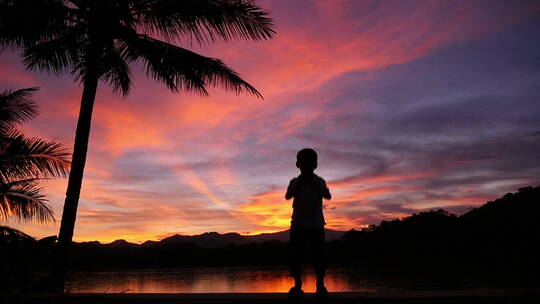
411 105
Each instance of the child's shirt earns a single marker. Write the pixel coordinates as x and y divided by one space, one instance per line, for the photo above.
307 203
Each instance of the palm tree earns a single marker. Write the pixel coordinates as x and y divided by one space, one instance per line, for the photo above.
98 40
24 161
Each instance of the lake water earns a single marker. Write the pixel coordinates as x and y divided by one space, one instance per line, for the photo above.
243 279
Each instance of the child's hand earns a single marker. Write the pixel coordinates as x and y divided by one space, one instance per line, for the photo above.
293 186
295 183
322 188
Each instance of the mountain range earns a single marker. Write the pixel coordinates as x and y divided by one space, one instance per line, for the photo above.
215 239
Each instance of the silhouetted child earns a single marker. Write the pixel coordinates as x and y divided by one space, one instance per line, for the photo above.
307 224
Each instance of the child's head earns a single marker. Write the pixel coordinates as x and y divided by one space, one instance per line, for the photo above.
306 160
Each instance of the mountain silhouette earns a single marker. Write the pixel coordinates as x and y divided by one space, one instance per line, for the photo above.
215 239
498 241
120 243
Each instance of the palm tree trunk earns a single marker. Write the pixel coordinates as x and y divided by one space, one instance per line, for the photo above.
78 161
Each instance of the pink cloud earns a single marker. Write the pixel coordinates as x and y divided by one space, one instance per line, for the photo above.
316 41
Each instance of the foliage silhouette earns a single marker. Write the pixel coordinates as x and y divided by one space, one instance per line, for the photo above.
24 161
15 259
98 40
498 239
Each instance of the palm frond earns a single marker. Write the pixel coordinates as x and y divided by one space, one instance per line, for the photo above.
23 157
26 22
23 200
181 69
57 54
16 106
115 69
54 36
204 20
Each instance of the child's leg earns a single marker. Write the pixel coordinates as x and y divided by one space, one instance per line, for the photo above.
319 252
297 244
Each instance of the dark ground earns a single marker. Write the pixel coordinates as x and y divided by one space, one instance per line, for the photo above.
525 296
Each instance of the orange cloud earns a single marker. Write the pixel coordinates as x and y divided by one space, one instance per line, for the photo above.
343 223
124 128
267 211
289 71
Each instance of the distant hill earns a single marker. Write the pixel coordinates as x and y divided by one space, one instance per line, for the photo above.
207 249
501 236
513 211
214 239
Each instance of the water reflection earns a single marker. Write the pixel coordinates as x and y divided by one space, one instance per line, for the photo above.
243 279
200 280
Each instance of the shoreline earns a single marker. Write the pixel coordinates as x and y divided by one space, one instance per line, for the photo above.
487 295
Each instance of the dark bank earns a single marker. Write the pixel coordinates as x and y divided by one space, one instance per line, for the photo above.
492 246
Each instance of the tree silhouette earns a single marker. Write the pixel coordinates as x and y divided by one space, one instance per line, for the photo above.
98 40
24 161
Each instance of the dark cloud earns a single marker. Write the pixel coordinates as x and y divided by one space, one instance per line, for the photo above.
469 113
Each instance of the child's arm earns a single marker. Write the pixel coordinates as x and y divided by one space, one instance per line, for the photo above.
325 192
291 189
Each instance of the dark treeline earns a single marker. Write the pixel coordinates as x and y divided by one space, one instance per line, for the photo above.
502 233
501 237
